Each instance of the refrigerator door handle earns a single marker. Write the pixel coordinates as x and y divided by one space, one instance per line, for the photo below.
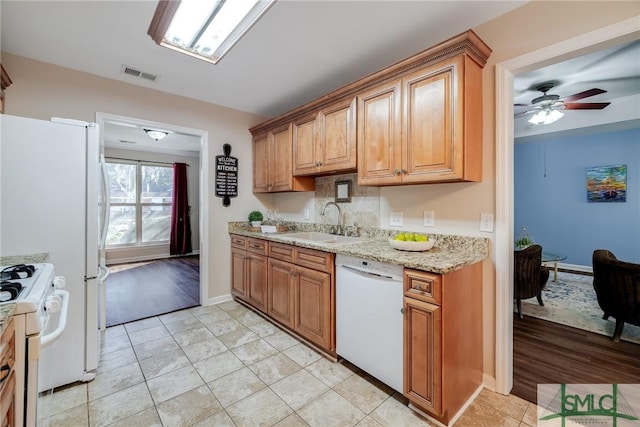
107 203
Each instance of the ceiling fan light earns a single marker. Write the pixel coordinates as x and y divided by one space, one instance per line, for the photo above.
546 117
553 116
156 134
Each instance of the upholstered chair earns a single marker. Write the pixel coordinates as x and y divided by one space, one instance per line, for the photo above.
529 276
617 286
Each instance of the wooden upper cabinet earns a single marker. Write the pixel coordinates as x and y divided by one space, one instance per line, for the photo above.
5 82
417 121
305 145
280 160
325 142
272 163
440 136
261 178
379 135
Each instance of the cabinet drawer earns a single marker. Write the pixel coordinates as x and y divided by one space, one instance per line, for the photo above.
239 241
423 286
257 246
318 260
281 251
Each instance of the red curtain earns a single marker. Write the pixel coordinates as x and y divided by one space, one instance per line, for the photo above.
180 242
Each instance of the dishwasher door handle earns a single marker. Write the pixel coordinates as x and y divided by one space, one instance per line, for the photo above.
368 273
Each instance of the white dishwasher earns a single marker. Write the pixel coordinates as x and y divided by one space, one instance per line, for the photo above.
369 317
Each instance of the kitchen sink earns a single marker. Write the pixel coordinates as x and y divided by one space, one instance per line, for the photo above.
325 238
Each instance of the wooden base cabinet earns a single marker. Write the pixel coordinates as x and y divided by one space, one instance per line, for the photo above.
442 339
249 270
7 376
281 292
313 306
294 286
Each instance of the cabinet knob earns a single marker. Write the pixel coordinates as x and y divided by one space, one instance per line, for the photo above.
403 311
403 171
396 172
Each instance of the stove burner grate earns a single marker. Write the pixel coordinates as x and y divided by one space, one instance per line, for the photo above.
18 271
9 290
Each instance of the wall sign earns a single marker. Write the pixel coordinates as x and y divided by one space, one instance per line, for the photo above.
226 176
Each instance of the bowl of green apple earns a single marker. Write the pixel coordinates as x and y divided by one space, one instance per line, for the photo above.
415 242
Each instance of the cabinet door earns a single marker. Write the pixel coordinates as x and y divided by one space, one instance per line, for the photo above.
305 146
256 286
280 290
238 272
379 135
280 159
261 178
432 135
422 354
313 306
337 140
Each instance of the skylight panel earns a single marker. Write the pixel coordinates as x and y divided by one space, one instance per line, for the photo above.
206 29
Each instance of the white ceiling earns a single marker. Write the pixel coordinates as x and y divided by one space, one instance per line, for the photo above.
615 70
297 52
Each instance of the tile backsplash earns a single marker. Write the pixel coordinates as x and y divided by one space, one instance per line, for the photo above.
364 207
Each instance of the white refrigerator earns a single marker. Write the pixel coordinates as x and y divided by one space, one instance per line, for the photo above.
50 203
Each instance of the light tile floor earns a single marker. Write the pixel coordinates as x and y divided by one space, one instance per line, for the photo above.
224 365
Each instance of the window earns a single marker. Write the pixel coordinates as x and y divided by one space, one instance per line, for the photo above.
205 29
140 203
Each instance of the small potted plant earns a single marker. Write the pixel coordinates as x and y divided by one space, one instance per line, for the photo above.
255 217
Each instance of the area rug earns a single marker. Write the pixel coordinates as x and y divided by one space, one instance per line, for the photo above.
572 301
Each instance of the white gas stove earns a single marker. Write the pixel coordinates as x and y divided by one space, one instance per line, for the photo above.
40 317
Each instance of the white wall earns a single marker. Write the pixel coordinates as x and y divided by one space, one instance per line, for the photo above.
42 90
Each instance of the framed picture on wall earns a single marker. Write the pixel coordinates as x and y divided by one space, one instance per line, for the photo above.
607 183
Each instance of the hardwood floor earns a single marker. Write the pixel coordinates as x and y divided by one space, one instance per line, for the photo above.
550 353
152 288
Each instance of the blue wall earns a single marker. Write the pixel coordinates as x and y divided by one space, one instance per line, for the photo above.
555 209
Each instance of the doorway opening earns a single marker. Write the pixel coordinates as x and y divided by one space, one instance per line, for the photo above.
146 280
624 31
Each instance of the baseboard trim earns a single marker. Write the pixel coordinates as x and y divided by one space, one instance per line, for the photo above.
458 414
141 258
489 382
219 300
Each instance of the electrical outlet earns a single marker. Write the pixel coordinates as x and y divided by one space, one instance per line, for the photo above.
486 222
306 213
429 220
395 219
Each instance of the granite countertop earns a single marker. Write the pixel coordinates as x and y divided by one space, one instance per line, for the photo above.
448 254
6 311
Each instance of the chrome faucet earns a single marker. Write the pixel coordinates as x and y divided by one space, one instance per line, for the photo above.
324 208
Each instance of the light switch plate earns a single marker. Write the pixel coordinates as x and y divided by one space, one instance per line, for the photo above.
486 222
395 219
306 213
429 220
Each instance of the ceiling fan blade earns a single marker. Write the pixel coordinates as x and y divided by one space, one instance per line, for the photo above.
582 95
521 105
523 113
586 105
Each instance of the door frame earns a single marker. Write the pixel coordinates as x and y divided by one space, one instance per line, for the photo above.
205 179
602 38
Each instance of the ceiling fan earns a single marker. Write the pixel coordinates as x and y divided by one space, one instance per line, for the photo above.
548 108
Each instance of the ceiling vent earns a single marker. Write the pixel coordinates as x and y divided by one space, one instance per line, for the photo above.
137 73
